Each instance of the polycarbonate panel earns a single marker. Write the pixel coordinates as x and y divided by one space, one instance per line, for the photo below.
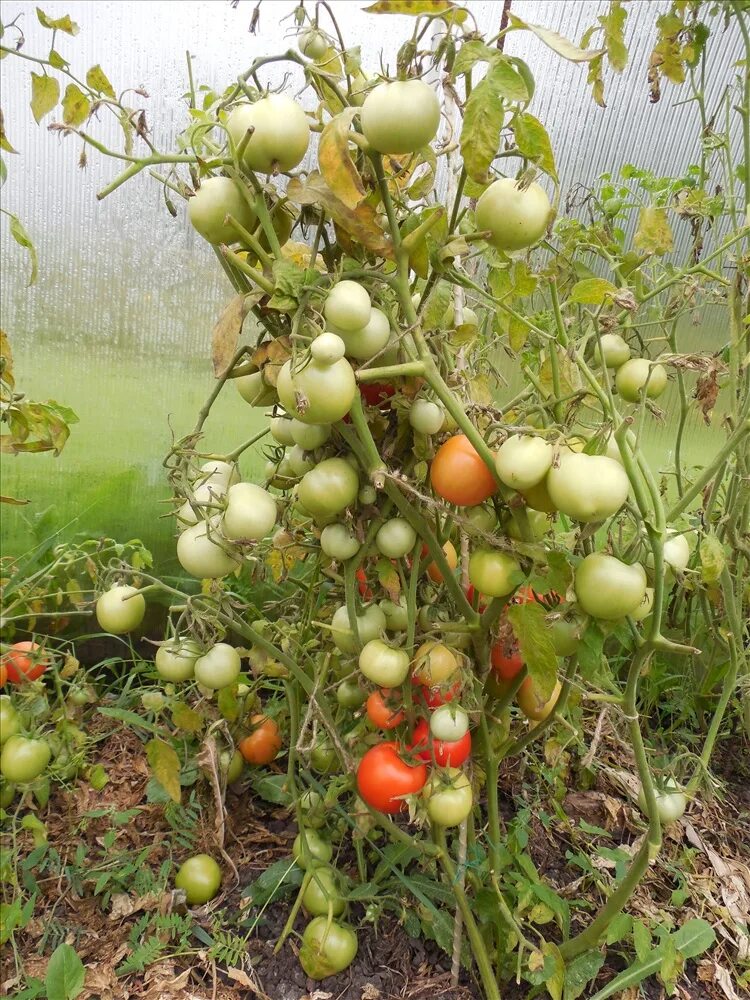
118 324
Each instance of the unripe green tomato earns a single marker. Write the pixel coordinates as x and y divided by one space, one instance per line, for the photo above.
469 317
328 348
232 764
676 552
368 341
400 117
120 610
350 695
515 217
329 488
367 494
323 891
254 390
523 461
607 588
348 306
449 722
638 374
567 634
201 553
200 878
323 757
339 542
317 393
215 199
281 133
370 625
646 606
10 723
281 430
310 436
587 487
328 947
300 461
426 417
219 474
449 797
481 518
7 794
153 701
539 523
250 512
175 660
612 350
312 43
671 802
383 665
218 667
494 573
22 759
396 615
395 538
318 848
204 497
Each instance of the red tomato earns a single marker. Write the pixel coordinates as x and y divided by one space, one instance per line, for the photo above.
381 712
263 743
445 754
376 393
383 777
25 661
459 475
364 590
433 697
505 658
3 674
473 596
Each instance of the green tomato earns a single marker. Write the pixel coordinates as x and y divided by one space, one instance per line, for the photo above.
494 573
204 496
367 494
7 794
328 947
200 878
370 625
607 588
395 538
323 757
481 519
449 723
646 606
218 667
671 802
637 375
676 552
219 474
317 393
396 615
120 610
300 461
329 488
449 797
232 764
250 512
318 848
215 199
328 348
201 554
312 43
370 340
23 759
567 635
281 133
539 523
400 117
515 217
281 430
255 390
10 723
612 350
339 542
523 461
347 307
382 664
426 417
350 695
323 891
587 487
310 436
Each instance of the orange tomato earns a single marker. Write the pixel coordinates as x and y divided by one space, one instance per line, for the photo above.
25 661
459 475
3 674
532 705
451 556
381 713
505 658
263 743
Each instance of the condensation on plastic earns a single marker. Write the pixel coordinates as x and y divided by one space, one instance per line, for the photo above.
118 324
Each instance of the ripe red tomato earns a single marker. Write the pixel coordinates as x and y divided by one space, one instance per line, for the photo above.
25 661
459 475
383 778
263 743
3 674
365 591
445 754
505 658
475 599
382 712
376 393
433 697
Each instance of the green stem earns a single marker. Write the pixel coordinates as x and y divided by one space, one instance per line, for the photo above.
709 472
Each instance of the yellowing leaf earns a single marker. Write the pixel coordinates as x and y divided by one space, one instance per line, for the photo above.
4 141
713 559
533 141
97 79
556 42
165 766
359 223
45 93
187 718
7 355
592 291
226 334
484 116
57 23
412 8
299 254
22 238
529 625
654 234
335 160
76 106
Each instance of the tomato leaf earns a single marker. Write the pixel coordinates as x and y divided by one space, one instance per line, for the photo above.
592 291
97 79
76 106
336 163
228 703
556 42
414 8
57 23
580 972
187 718
470 53
45 93
614 35
533 141
4 141
713 558
529 625
19 234
654 234
360 223
65 974
226 333
484 116
165 765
